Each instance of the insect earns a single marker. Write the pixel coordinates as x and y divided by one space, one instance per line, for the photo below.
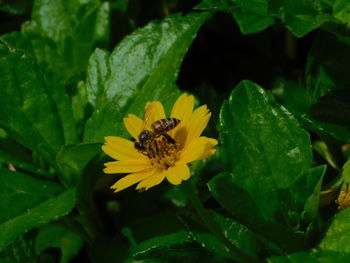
159 128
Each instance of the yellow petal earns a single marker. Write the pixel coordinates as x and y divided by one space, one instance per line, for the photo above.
176 174
127 166
197 123
133 125
183 108
154 111
131 179
121 149
151 181
197 149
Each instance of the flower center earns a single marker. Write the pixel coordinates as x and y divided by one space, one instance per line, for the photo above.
162 153
343 199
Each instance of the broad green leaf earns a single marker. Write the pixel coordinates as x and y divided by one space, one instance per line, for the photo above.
246 211
315 256
337 237
325 70
341 10
267 147
331 114
143 67
238 234
32 118
267 151
58 237
23 190
47 211
63 33
72 160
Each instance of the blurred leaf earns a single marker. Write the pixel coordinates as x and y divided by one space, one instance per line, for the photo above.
173 253
107 249
325 70
52 235
18 156
143 67
331 115
24 191
30 203
322 148
306 192
29 114
63 33
292 96
252 16
341 10
72 160
337 237
315 256
178 237
16 7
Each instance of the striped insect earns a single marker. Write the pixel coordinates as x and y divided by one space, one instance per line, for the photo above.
156 129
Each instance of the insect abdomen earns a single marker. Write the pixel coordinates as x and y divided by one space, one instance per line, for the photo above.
164 125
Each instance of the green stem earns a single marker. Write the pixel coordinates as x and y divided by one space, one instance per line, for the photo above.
212 226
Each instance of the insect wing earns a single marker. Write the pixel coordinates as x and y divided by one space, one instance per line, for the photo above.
148 116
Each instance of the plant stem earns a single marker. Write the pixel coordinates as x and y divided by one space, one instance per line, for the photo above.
212 226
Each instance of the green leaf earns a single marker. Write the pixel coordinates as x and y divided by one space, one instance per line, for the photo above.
326 71
341 10
337 237
315 256
72 160
143 67
58 237
331 114
252 16
18 156
292 96
238 234
29 114
16 7
23 190
172 253
266 146
267 151
252 23
63 33
32 217
306 192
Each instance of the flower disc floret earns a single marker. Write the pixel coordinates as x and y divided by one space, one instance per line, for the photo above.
163 157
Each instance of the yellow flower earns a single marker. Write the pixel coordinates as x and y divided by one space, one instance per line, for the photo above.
163 158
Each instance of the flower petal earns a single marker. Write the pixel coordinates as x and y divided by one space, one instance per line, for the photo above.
131 179
197 123
127 166
183 108
133 125
121 149
176 174
197 149
151 181
154 111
